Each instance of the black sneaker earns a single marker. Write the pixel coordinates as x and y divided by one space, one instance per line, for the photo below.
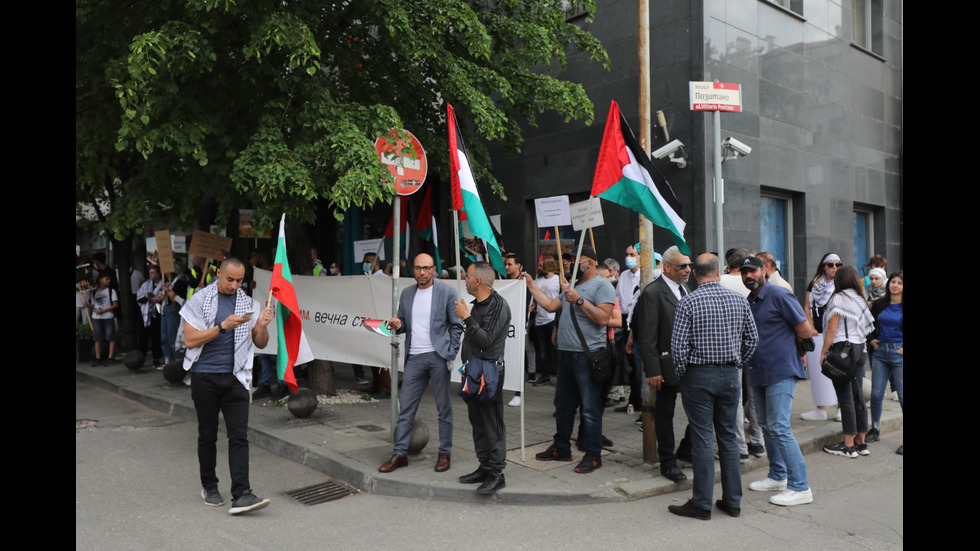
248 502
862 449
841 450
872 436
757 450
554 454
212 497
589 463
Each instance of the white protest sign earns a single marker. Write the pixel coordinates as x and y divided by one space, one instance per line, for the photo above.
552 211
580 209
366 246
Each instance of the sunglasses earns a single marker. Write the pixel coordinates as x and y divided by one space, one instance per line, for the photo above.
834 264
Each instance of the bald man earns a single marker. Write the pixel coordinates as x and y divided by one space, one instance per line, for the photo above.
427 314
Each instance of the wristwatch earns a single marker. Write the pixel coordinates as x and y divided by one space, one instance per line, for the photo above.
580 301
221 330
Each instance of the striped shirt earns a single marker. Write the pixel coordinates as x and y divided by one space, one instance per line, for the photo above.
713 326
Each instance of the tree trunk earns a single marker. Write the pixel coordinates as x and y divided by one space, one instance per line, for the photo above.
321 378
130 322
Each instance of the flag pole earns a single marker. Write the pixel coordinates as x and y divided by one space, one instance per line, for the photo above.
396 264
581 242
459 262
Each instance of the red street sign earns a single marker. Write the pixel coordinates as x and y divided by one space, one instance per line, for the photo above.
408 166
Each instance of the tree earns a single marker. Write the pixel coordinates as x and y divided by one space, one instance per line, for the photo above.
274 104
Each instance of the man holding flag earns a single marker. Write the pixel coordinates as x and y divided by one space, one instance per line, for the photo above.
222 327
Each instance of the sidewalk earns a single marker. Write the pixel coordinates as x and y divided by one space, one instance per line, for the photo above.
349 441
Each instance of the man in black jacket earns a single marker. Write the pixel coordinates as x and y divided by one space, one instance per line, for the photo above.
653 322
484 334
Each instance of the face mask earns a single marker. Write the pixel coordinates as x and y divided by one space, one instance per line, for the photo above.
333 271
657 272
614 279
632 262
366 266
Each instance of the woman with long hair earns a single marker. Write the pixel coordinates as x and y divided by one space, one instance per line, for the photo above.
818 294
887 361
847 318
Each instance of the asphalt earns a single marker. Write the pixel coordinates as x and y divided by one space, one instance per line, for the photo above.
348 442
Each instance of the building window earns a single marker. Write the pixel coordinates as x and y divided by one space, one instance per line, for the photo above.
774 229
866 25
863 237
795 6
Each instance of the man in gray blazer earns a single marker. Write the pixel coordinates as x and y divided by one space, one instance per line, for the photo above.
427 314
653 323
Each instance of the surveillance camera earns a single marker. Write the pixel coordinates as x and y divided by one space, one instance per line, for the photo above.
738 147
668 150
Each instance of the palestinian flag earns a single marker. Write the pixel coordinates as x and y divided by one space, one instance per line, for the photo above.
293 348
625 175
377 326
426 227
466 196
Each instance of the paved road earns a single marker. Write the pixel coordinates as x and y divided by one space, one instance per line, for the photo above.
136 488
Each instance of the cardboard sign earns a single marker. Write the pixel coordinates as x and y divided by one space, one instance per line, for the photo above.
165 252
552 211
579 211
209 245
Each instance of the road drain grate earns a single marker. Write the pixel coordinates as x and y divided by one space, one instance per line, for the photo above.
321 493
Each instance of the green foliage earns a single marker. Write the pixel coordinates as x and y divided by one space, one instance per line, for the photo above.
273 104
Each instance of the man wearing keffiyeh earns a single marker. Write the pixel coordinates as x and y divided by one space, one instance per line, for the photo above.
222 327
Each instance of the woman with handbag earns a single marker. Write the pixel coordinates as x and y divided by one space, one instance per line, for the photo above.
847 322
887 360
818 294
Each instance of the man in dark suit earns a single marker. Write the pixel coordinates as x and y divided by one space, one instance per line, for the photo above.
427 314
653 323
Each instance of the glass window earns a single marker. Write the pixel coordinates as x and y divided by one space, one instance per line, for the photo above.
866 25
774 227
863 238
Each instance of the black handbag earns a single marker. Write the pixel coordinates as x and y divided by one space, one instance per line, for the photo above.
843 360
599 361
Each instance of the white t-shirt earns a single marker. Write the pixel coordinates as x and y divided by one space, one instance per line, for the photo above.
421 318
101 300
551 287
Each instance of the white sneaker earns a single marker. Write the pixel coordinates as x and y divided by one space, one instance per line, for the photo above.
515 402
790 498
768 485
816 414
838 417
894 395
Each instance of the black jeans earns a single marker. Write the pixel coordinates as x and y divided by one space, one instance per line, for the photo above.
489 435
221 392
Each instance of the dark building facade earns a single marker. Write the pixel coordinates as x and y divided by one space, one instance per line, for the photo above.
822 90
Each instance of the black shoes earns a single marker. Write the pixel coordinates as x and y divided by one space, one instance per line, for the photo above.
689 510
542 381
873 436
589 463
476 477
726 508
554 454
248 502
673 473
493 482
757 450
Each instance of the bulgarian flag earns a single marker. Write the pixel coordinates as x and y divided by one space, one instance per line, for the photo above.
625 175
465 195
293 348
426 227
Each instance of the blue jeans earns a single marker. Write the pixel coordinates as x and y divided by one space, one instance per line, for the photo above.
711 395
169 323
886 363
774 404
419 370
575 387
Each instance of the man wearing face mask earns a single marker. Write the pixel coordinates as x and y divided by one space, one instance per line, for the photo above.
591 302
627 289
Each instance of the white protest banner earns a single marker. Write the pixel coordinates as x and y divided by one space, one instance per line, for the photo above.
580 209
552 211
333 308
366 246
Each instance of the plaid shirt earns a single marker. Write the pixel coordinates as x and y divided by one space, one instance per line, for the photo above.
713 326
